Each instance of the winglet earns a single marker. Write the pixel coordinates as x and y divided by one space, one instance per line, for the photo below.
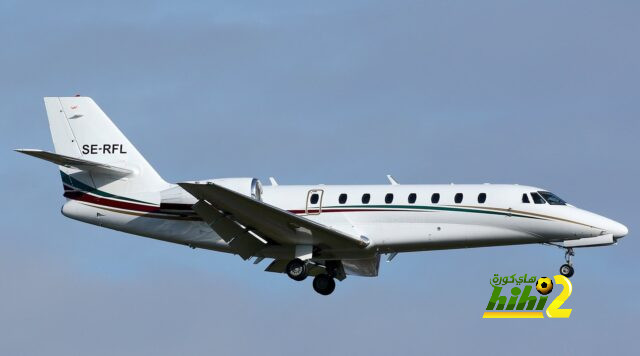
273 181
392 180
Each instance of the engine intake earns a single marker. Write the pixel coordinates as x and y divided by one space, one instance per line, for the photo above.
250 187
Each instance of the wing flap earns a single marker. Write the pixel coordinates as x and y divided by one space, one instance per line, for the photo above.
242 241
272 223
73 162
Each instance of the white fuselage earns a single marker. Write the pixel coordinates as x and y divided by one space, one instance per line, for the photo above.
399 224
324 231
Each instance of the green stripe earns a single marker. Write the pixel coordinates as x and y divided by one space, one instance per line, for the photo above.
74 183
440 208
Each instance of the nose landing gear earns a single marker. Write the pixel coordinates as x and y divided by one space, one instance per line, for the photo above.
567 268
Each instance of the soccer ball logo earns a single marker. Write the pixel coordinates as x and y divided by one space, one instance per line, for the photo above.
544 285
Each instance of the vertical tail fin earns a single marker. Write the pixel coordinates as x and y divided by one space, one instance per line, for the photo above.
80 129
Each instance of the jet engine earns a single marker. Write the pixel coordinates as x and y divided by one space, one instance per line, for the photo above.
250 187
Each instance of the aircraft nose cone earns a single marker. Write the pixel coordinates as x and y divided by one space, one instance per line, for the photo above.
618 230
602 224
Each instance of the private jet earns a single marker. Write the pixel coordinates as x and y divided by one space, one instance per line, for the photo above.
323 231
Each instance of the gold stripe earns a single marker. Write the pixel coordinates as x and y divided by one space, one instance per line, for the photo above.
525 213
151 215
512 315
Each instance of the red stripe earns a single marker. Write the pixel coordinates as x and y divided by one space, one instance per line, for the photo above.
81 196
316 211
111 203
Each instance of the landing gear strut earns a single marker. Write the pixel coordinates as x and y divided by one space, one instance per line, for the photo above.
297 269
567 268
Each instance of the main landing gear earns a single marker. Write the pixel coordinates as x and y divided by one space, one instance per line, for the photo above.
323 283
297 270
567 268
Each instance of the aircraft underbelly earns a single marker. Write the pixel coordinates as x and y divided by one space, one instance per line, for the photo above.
428 236
415 231
187 232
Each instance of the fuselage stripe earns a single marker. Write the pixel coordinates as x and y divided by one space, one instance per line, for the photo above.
74 189
184 211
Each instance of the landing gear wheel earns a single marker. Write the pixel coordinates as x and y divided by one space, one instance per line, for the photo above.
297 270
324 284
566 270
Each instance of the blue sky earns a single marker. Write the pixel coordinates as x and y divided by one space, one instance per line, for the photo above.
542 93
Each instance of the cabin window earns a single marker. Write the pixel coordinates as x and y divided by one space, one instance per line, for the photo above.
537 199
458 198
552 198
314 198
342 198
365 198
388 198
412 198
482 197
525 198
435 198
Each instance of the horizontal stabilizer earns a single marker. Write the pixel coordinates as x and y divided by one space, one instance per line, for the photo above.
72 162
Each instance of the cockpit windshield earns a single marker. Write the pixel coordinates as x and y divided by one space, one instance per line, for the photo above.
552 199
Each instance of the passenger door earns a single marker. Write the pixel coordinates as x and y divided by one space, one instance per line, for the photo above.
314 202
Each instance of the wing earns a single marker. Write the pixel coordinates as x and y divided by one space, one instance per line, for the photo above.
78 163
253 224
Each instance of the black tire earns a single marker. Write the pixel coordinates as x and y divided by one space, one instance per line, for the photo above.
324 284
566 270
297 270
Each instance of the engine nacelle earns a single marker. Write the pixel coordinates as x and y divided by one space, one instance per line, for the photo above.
250 187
